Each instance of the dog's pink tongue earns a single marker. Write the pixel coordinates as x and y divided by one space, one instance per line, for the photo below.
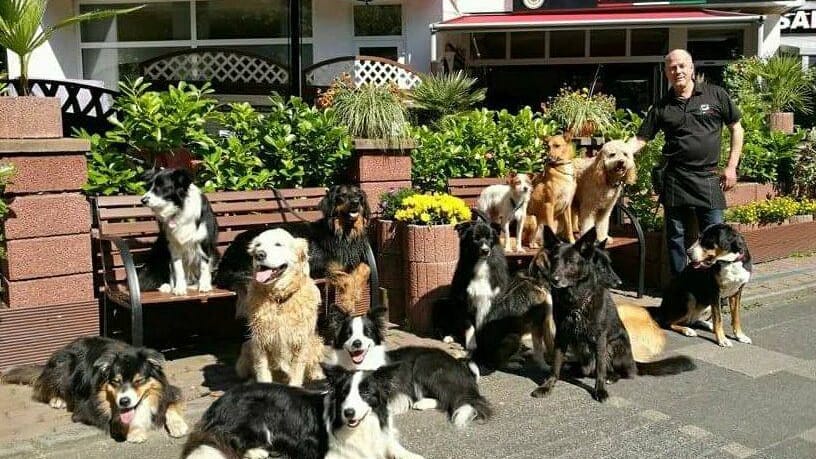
264 276
127 416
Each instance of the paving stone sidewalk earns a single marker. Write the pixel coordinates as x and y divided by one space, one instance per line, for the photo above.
28 429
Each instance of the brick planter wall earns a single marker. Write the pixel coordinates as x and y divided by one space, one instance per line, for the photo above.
378 168
48 296
388 237
430 254
748 192
771 242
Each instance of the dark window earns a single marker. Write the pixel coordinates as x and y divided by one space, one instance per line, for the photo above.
388 52
650 42
154 22
488 46
604 43
377 20
527 45
715 44
567 43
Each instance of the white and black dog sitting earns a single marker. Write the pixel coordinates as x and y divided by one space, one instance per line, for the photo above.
349 421
481 273
185 253
427 378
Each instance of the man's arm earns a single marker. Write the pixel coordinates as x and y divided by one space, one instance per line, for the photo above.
730 172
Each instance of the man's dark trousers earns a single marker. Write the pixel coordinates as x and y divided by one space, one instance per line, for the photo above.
678 219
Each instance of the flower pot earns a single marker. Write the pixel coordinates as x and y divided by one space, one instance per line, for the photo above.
389 244
179 158
30 117
430 255
781 121
379 167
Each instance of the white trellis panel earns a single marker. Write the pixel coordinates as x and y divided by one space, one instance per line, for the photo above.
223 66
364 71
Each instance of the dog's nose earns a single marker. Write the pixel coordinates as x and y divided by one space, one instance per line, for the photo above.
556 278
124 402
348 413
144 200
356 343
260 255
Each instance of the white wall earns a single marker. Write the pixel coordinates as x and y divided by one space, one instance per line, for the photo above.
771 36
59 58
485 6
418 32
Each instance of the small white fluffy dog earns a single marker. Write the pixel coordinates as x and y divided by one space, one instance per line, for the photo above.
600 184
506 202
282 305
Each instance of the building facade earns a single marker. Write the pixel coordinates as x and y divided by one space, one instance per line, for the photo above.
522 50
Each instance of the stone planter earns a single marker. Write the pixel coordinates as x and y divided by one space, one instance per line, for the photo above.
781 121
430 254
30 117
748 192
389 237
379 167
771 242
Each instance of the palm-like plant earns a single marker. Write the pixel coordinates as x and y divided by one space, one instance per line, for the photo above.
786 85
446 94
21 29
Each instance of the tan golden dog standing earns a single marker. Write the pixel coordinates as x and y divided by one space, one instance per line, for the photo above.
282 307
554 190
600 184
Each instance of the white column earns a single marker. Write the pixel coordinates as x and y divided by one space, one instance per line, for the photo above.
769 36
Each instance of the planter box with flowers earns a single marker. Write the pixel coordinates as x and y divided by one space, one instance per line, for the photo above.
430 249
388 242
776 228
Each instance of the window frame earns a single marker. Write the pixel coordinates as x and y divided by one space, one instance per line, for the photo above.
385 41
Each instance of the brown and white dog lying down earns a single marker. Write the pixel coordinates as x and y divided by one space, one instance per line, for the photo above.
282 306
600 184
108 384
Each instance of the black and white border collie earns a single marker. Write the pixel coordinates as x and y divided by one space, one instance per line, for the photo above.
185 253
349 421
481 273
428 378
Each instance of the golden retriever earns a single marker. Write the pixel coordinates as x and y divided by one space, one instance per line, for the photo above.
600 183
554 190
282 306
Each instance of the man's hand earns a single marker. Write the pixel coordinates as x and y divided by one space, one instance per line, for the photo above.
729 178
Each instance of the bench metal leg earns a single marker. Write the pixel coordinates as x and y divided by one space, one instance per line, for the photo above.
641 249
136 324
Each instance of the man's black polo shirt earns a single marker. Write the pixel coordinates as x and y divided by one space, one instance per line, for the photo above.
692 126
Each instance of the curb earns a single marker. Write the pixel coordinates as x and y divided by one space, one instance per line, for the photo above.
791 291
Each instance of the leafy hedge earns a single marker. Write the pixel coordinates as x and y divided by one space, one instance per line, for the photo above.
774 210
479 143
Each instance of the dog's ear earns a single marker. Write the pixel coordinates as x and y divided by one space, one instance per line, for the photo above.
567 135
331 320
511 177
586 244
476 214
462 228
334 373
148 174
105 361
550 239
181 178
153 357
326 204
301 248
540 266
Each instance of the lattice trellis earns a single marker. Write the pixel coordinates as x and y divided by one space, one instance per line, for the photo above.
364 71
224 66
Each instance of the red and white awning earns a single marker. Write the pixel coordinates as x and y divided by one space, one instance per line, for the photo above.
591 19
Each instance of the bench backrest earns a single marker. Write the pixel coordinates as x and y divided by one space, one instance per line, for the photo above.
235 212
469 188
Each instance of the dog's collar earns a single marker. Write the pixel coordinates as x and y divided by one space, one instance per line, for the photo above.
741 257
515 205
559 163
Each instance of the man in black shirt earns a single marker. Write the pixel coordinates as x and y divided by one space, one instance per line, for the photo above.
692 116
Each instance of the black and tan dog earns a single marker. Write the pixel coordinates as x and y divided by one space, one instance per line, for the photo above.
108 384
719 269
337 242
587 321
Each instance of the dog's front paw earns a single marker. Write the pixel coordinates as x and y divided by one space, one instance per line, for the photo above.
520 249
165 288
689 332
544 389
256 453
204 288
180 290
57 403
743 338
136 436
725 342
600 395
534 245
447 339
425 404
176 426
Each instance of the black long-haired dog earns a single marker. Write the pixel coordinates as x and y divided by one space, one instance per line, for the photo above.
337 241
587 320
481 273
108 384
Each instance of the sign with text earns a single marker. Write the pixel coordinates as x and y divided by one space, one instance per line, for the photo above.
528 5
799 22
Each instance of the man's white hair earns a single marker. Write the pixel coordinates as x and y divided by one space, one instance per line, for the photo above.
681 52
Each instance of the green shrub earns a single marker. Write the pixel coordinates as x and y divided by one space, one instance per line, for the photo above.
581 112
110 171
767 157
778 83
479 143
370 111
391 201
770 211
803 175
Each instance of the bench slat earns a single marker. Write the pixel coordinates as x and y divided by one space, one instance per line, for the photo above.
222 207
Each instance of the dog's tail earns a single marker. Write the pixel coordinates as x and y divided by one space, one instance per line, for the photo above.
476 407
666 367
208 445
23 374
647 338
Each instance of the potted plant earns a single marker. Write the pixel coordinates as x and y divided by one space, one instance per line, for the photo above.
22 31
389 240
377 120
430 250
444 94
581 113
780 84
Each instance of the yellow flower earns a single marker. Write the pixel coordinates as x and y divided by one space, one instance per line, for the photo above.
424 217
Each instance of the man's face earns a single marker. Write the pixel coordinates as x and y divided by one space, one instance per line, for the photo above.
679 70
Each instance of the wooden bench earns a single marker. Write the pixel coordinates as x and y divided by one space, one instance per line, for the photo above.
124 229
469 189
